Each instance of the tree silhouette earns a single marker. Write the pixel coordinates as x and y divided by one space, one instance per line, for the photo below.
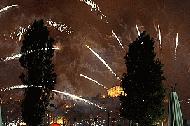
142 83
37 52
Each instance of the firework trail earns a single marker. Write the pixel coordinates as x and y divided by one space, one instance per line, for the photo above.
104 62
114 35
59 26
18 87
74 97
95 8
17 56
7 7
93 81
176 44
159 36
139 33
21 31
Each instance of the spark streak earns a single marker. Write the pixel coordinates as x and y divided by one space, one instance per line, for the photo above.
7 7
74 97
159 36
93 81
95 8
18 87
17 56
103 61
114 35
176 45
21 31
139 33
59 26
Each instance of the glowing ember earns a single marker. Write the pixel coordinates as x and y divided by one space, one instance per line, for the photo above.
116 91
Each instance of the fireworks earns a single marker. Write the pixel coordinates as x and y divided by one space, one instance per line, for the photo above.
17 56
176 44
138 31
93 81
18 87
21 31
114 35
77 98
103 61
159 36
7 7
95 8
74 97
59 26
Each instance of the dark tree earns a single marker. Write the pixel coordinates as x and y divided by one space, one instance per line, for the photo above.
37 52
142 83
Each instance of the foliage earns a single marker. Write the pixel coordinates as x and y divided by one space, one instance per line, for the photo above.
37 52
142 83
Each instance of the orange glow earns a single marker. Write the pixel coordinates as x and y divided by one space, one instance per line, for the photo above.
116 91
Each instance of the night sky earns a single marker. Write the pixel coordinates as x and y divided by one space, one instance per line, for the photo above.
173 16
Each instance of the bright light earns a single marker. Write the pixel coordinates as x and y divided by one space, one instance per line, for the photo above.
103 61
95 8
17 56
18 87
74 97
176 45
114 35
59 26
7 7
159 36
116 91
93 81
139 33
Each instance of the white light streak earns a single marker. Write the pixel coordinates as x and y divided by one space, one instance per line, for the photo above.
59 26
114 35
176 45
17 56
159 36
21 31
74 97
95 8
139 33
104 62
94 81
7 7
18 87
